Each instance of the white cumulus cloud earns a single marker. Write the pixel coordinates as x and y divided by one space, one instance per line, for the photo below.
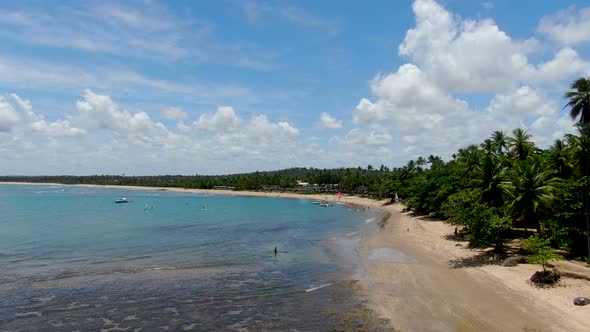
225 119
449 56
173 113
464 55
570 26
59 128
8 116
329 121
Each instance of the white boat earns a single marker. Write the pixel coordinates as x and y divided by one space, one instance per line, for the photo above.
122 200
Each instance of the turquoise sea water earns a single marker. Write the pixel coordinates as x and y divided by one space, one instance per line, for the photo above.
70 258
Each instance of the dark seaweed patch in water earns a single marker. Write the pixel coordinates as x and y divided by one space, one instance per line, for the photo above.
272 299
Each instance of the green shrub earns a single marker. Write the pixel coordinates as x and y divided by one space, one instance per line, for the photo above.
540 251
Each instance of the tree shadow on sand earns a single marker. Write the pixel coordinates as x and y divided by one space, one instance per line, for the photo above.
422 216
455 238
545 286
481 259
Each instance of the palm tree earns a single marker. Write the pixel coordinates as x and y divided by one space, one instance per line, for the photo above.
580 154
521 145
420 162
488 146
500 141
579 148
488 176
467 160
579 100
558 156
434 160
531 191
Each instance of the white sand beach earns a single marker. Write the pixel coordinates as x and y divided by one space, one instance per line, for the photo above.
449 287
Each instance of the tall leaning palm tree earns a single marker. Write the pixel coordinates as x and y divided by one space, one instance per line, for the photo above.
521 145
579 100
500 141
531 191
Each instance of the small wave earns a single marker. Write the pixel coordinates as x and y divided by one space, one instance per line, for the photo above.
124 259
21 259
29 313
76 260
47 298
175 227
48 191
318 287
183 267
157 268
369 220
349 234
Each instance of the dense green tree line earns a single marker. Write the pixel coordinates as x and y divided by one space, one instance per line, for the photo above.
343 179
507 182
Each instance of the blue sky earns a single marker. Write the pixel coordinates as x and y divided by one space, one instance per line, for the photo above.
148 87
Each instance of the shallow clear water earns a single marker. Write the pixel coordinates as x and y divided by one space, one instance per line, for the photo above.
70 258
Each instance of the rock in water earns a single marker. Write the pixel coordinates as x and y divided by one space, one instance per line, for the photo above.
581 301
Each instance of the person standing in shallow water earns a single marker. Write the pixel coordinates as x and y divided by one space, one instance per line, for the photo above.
276 251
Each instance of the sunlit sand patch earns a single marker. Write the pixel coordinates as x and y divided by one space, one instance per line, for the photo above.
390 255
